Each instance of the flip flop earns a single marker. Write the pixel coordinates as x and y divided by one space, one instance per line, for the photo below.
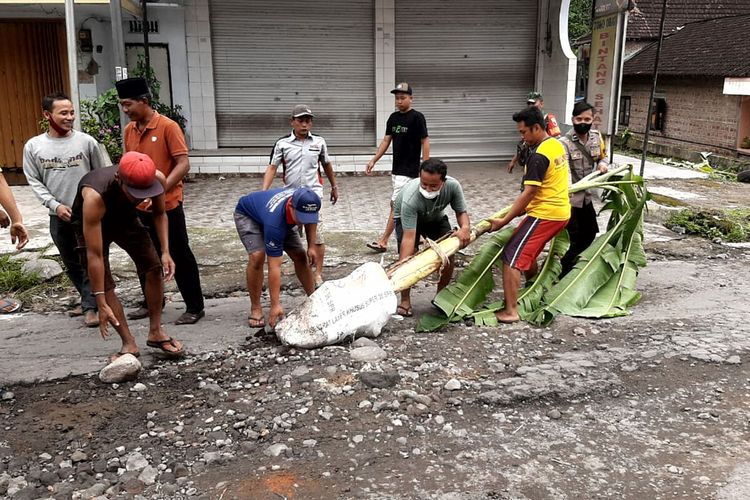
159 344
377 247
403 311
9 305
258 322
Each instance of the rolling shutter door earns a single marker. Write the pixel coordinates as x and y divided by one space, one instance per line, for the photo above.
269 56
471 65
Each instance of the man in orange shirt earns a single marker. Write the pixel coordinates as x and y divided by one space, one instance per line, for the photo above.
162 139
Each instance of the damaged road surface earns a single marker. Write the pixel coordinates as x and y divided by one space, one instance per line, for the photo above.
653 405
648 406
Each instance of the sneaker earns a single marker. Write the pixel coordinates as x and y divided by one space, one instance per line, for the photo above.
8 305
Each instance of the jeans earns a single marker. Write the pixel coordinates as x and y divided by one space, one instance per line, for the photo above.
186 267
65 240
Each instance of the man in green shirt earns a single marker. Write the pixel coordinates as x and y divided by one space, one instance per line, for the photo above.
418 211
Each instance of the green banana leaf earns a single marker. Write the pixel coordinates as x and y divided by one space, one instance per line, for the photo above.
471 287
602 284
530 297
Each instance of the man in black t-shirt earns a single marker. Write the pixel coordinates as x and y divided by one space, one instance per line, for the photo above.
407 129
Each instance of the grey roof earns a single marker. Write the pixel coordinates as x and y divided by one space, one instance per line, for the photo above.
717 47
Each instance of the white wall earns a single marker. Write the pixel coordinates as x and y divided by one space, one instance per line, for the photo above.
96 18
171 32
556 69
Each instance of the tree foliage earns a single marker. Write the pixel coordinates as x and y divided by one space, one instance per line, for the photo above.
579 19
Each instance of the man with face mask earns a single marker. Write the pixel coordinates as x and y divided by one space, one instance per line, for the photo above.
418 211
54 162
586 151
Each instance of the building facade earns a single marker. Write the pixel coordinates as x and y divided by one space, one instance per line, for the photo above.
237 67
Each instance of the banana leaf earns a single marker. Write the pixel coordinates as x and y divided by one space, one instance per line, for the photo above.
471 287
530 297
602 283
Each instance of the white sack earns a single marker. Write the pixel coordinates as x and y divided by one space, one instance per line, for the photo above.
357 305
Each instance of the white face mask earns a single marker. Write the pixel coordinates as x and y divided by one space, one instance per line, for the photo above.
430 195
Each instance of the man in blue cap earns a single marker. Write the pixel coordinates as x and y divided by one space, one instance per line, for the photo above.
266 222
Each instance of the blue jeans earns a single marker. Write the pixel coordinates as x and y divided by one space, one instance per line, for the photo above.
65 240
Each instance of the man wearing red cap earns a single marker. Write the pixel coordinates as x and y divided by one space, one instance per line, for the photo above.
104 213
162 139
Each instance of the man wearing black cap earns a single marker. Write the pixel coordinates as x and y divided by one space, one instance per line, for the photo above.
300 155
407 129
104 213
162 139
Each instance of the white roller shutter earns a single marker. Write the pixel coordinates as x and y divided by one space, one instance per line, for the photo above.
269 56
471 64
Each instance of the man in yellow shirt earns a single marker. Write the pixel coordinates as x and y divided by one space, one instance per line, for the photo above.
545 202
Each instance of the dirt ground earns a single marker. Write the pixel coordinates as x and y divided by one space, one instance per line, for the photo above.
652 405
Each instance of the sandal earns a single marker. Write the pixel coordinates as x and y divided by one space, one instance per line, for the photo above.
9 305
377 247
159 344
405 312
254 322
188 318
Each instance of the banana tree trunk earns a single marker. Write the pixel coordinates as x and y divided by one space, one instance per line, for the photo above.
417 267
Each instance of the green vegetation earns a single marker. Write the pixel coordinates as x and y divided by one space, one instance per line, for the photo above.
667 201
579 19
601 285
13 279
731 225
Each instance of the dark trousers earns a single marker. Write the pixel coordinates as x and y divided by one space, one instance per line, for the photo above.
64 237
186 267
582 230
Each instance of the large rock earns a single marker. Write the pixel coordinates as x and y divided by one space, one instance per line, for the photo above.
124 368
45 268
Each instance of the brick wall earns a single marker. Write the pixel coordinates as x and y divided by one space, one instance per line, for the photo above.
699 116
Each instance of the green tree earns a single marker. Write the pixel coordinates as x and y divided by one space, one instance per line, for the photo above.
579 19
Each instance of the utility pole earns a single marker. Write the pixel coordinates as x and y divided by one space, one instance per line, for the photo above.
653 87
144 21
118 50
72 42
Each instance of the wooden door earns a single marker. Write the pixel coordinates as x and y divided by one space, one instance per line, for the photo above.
33 63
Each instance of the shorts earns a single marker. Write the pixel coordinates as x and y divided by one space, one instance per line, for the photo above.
528 241
398 182
433 230
130 235
251 235
319 235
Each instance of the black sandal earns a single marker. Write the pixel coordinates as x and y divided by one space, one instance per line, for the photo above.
159 344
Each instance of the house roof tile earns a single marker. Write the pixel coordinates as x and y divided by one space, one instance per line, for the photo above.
717 47
643 22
